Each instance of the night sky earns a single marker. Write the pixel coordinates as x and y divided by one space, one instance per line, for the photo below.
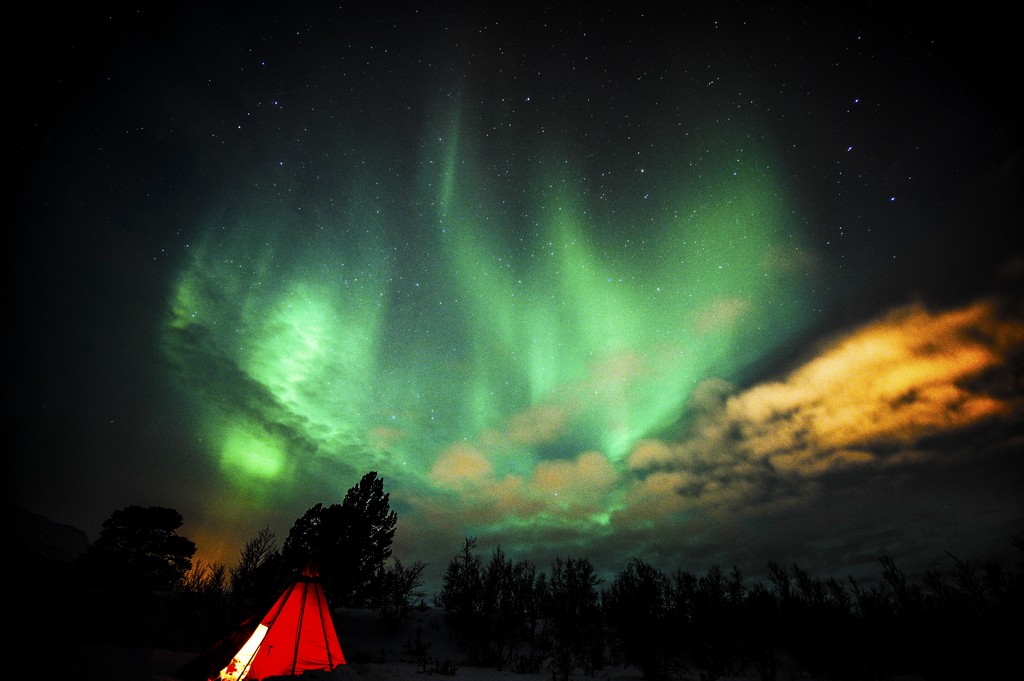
732 285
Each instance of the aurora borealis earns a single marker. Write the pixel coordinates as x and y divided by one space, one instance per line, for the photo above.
596 285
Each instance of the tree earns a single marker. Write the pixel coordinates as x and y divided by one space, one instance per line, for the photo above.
714 632
511 599
491 610
207 579
399 590
256 579
572 609
349 542
138 549
637 608
462 599
198 609
816 623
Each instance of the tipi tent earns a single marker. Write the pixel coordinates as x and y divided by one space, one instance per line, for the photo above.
296 635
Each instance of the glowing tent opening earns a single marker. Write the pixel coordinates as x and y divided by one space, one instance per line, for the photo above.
296 635
239 666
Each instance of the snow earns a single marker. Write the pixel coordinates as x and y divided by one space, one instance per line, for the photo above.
373 655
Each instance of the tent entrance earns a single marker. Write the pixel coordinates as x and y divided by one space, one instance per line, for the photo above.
239 666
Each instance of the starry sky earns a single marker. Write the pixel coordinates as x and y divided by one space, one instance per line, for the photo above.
734 284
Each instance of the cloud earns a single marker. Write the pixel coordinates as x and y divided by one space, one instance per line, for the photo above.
893 381
572 489
460 466
867 401
577 486
869 411
540 424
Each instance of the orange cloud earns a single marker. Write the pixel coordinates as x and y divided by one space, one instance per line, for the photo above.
885 386
580 485
650 454
459 466
655 497
540 424
894 381
866 402
573 489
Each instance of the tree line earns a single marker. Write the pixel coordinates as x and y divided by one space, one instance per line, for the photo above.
681 625
141 585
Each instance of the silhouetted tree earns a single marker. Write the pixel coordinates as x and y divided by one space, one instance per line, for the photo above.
637 610
572 608
139 549
794 625
760 625
399 591
493 610
349 542
818 628
963 622
462 599
205 578
714 632
131 574
198 610
506 607
257 578
494 580
518 614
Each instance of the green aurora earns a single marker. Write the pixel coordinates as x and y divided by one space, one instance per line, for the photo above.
383 331
709 285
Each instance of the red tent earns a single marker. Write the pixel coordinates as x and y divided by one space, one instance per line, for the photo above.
297 634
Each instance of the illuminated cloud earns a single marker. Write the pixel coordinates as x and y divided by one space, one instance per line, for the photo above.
577 486
868 400
571 489
461 466
891 382
544 423
865 404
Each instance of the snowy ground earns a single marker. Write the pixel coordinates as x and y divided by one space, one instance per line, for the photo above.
372 655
